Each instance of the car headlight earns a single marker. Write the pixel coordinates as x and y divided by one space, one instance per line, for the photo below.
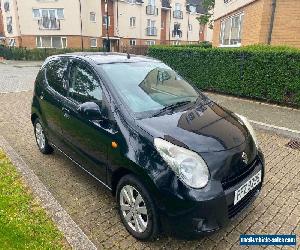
188 166
249 127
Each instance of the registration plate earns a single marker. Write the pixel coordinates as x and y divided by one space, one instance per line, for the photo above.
247 187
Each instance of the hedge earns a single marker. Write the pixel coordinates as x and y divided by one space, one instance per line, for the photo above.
36 54
261 72
204 44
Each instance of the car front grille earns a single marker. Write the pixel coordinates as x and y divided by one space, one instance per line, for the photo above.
233 210
233 180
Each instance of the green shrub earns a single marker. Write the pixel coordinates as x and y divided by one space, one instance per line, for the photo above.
204 44
261 72
36 54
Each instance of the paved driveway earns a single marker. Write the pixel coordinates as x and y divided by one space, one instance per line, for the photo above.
277 210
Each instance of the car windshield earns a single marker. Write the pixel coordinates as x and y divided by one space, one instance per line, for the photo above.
149 86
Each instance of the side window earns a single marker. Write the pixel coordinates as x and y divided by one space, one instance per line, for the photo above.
84 85
56 74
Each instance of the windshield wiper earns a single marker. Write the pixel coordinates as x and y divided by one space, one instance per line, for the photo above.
171 107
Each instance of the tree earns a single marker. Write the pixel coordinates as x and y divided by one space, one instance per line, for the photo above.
206 19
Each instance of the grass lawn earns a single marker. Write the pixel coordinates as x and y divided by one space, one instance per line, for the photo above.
23 222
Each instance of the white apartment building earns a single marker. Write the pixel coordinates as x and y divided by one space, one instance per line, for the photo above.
83 23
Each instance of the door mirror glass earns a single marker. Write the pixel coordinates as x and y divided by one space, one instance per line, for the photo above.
90 110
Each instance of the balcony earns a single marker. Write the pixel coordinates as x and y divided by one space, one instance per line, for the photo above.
46 23
177 33
178 14
151 10
151 31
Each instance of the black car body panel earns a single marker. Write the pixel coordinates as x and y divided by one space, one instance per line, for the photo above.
206 129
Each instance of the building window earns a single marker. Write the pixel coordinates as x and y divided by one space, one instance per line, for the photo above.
48 13
36 13
150 42
132 21
60 13
106 19
132 42
231 31
193 9
131 1
51 42
12 42
9 27
93 42
190 27
6 5
151 29
64 42
93 17
177 32
178 13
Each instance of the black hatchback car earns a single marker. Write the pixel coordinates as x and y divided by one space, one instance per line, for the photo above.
175 160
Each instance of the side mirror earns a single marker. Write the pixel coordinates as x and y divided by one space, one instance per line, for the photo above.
90 110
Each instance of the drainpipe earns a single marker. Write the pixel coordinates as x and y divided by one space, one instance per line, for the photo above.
107 27
188 28
81 25
19 25
273 10
118 25
170 27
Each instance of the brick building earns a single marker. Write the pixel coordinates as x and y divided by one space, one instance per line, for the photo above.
246 22
59 24
2 38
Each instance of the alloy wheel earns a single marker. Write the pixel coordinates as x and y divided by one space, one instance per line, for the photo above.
133 208
40 136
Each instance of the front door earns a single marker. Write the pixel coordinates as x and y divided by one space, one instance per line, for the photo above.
86 142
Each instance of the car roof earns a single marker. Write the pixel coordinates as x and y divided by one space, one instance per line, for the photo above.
110 57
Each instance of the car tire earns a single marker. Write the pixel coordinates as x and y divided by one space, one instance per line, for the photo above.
41 139
138 215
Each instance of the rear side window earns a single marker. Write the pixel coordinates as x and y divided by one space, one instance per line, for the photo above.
84 85
56 74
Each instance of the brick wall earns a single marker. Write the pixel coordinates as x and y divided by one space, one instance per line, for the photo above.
110 8
255 26
1 21
216 33
72 42
257 17
286 29
163 34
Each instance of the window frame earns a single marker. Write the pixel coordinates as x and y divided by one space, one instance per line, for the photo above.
222 30
132 22
65 85
48 9
85 65
95 39
150 42
107 19
93 13
132 42
51 38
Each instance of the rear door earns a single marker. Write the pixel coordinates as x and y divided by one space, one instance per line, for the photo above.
51 97
86 141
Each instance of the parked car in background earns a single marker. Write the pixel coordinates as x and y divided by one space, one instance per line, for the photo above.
175 160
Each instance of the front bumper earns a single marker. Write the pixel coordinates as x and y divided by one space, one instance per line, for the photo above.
207 216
